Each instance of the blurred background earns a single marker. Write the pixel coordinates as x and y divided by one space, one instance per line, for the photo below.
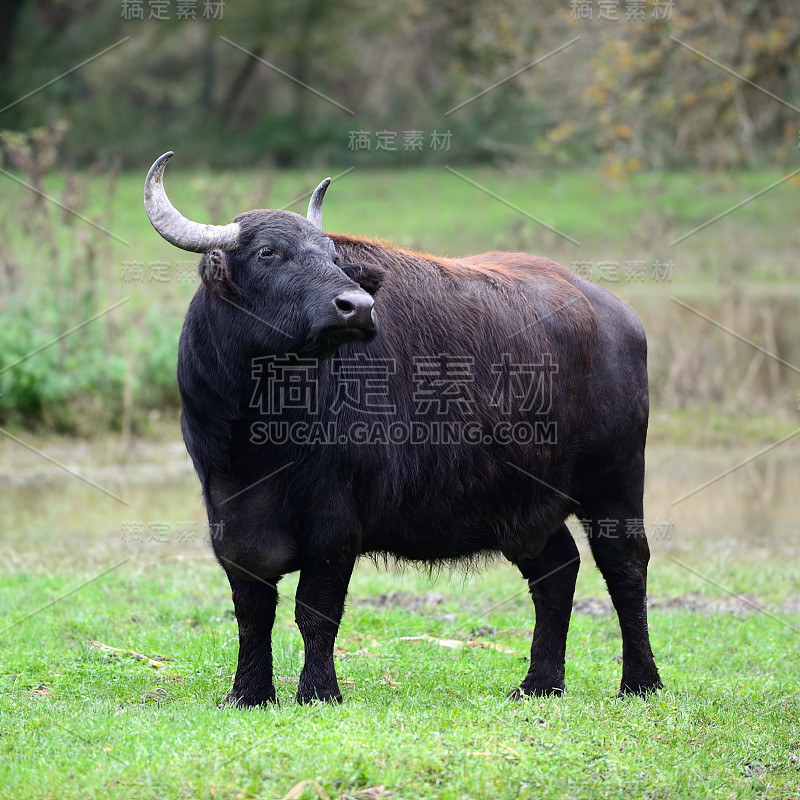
651 146
177 72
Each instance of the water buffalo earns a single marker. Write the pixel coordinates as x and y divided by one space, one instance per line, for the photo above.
344 397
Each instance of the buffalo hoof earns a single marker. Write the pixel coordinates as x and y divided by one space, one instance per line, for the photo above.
640 688
248 699
524 692
306 696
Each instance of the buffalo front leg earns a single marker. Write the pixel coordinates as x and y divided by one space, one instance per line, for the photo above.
619 546
254 602
319 606
551 579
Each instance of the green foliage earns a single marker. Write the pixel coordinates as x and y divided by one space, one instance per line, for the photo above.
65 365
79 388
382 67
627 92
156 356
682 92
57 386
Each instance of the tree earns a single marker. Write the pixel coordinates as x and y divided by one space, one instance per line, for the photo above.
711 87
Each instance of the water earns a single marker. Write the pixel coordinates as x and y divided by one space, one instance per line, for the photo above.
147 507
50 517
748 514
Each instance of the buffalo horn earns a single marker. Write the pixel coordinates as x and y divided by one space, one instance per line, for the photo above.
315 204
174 227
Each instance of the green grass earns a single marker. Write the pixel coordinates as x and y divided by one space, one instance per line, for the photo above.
421 720
708 425
436 211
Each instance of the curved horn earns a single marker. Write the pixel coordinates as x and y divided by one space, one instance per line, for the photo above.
174 227
315 204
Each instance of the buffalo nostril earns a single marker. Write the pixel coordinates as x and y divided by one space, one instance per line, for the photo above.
355 309
345 306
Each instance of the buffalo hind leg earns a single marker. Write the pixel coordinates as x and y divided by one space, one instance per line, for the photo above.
254 602
319 606
551 578
620 550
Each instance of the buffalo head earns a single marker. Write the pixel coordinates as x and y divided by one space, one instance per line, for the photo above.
276 267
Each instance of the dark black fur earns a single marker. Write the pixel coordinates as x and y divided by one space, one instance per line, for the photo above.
277 507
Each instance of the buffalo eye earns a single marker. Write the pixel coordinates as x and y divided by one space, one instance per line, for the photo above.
266 253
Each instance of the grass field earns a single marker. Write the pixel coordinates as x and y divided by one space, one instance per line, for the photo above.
419 719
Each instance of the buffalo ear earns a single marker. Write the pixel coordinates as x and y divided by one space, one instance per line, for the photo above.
368 276
214 269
